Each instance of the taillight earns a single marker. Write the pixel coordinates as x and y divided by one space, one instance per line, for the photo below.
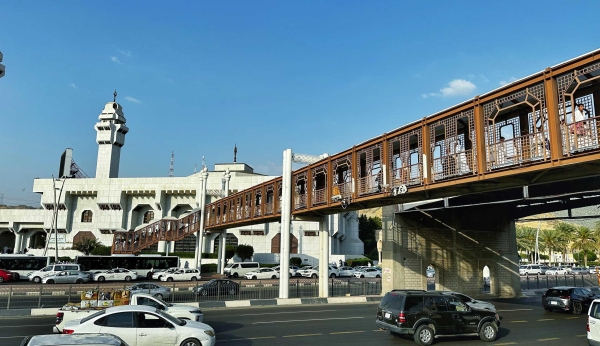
59 317
402 318
68 331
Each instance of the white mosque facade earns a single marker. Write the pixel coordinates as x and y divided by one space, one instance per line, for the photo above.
102 205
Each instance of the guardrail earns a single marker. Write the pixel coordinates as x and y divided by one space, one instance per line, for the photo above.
57 295
530 282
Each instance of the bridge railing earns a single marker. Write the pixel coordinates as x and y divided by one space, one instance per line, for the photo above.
581 135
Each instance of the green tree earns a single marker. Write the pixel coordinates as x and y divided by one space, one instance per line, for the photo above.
244 252
526 240
101 250
550 240
585 240
367 232
87 245
566 232
229 251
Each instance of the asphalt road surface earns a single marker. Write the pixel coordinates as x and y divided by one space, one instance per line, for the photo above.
524 323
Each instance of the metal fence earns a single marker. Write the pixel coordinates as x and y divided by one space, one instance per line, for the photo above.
50 296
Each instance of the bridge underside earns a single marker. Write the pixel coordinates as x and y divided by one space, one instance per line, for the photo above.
460 236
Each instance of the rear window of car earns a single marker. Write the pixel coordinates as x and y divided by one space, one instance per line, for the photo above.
391 301
557 293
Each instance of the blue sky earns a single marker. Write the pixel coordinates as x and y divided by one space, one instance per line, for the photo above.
197 77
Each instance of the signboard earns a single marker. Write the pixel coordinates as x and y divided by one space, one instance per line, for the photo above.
62 238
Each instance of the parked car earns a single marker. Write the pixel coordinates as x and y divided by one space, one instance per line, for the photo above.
592 269
314 272
427 316
346 271
156 290
262 273
293 270
160 273
143 326
579 271
215 287
567 298
6 275
74 340
67 277
237 269
543 269
367 273
115 274
530 269
430 272
36 276
593 324
471 302
182 275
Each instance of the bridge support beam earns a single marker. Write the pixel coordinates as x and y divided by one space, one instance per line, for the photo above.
286 213
324 257
458 243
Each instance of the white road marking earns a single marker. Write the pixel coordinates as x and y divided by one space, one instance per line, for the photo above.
13 337
309 320
286 312
31 325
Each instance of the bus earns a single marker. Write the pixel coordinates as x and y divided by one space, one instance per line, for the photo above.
142 264
22 265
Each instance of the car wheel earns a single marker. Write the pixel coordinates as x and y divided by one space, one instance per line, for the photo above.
235 275
424 335
159 296
194 278
128 278
37 279
488 332
254 277
16 276
79 281
273 277
577 308
332 275
378 276
101 278
290 275
170 279
1 279
50 281
191 342
362 276
314 276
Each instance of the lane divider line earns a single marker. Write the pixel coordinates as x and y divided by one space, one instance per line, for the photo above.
352 332
548 339
301 335
312 319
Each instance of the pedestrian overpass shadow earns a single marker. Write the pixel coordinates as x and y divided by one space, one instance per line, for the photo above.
224 333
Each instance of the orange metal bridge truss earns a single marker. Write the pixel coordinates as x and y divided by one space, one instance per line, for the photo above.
527 132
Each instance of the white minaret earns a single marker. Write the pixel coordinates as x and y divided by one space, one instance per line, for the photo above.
110 136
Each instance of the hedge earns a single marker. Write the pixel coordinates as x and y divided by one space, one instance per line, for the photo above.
208 268
359 262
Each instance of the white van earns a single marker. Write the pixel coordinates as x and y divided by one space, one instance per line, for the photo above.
238 269
52 269
593 323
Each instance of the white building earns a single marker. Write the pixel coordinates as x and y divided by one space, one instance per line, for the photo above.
99 206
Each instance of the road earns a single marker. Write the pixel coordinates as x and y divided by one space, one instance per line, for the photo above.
524 323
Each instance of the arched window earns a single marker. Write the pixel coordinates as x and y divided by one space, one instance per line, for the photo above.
148 216
86 216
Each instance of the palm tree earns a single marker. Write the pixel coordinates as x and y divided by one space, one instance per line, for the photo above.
585 240
550 240
566 232
526 239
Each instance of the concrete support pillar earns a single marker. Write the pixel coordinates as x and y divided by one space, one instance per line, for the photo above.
18 240
286 211
323 257
162 246
457 243
200 234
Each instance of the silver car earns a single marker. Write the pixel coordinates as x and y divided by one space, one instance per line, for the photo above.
67 277
151 288
474 303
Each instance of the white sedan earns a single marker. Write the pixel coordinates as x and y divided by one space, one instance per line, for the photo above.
116 274
160 273
182 275
556 271
262 273
140 325
346 271
314 272
367 273
293 270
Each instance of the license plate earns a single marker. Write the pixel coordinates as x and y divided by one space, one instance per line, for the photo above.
553 303
387 315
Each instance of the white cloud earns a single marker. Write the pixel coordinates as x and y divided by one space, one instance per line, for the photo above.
458 87
484 78
510 80
72 85
115 59
127 53
430 95
131 99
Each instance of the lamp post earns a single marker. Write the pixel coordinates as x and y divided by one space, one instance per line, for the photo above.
56 201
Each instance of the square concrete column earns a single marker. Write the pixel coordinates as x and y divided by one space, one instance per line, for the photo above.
323 257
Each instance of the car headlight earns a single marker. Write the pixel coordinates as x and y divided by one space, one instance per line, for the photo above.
210 333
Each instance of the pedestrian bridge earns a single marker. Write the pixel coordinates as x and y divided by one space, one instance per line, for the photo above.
525 133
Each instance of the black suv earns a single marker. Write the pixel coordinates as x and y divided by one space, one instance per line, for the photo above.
567 298
431 315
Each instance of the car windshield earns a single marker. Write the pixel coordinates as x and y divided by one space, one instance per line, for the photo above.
229 265
170 318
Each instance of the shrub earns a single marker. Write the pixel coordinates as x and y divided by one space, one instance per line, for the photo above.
359 262
244 252
209 255
86 245
296 261
208 268
101 250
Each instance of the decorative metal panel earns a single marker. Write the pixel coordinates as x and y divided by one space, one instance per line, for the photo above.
370 173
405 159
299 192
342 176
319 184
